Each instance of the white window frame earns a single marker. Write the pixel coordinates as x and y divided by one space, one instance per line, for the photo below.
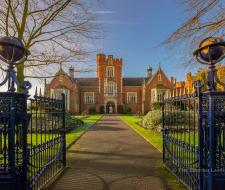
131 97
110 88
153 95
159 77
57 93
110 71
89 98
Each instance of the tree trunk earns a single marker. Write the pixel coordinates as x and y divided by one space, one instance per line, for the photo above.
20 75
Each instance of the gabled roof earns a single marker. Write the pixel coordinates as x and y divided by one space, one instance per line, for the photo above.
86 81
156 73
133 81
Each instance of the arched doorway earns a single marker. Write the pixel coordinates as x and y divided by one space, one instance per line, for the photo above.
110 107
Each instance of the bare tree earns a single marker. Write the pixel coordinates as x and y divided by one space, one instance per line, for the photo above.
55 31
205 18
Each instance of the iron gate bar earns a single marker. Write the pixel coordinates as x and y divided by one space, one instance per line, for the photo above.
198 164
179 138
47 133
200 131
32 142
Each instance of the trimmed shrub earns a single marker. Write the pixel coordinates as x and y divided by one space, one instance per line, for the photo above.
102 109
72 123
92 111
156 106
138 114
84 114
120 109
152 120
127 110
123 109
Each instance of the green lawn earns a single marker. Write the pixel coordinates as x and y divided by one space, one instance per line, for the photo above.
152 137
37 138
43 157
156 139
76 133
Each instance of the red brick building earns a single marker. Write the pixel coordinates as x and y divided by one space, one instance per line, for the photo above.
109 91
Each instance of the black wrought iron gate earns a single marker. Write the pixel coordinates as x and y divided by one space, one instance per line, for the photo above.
32 140
194 139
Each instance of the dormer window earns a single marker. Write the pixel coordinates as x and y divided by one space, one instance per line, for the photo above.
159 77
110 71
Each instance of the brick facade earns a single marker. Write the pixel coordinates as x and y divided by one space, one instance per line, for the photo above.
109 91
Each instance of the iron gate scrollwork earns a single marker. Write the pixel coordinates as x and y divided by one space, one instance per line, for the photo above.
13 155
32 140
180 138
45 139
194 139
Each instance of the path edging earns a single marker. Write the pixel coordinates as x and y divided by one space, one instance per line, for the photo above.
74 141
140 134
55 178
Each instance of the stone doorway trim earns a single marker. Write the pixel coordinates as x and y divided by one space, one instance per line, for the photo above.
112 103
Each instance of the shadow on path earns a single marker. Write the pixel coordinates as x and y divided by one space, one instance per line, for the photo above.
111 156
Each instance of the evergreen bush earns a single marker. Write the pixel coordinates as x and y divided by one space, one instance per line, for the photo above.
92 111
156 106
120 109
102 109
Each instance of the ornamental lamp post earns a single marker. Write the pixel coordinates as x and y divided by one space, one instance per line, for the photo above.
211 50
13 52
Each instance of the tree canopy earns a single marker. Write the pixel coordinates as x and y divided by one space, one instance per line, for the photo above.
55 31
204 18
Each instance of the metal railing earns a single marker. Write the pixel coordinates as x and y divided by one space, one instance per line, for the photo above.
194 139
32 140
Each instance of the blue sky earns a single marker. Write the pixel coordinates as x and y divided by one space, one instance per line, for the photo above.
134 28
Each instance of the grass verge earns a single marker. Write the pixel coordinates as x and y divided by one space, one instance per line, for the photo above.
71 137
78 132
155 139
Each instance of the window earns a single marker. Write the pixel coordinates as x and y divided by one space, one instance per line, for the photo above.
110 71
153 97
159 97
110 88
131 97
57 93
89 97
159 77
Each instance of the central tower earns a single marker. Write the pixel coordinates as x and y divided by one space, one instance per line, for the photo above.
109 72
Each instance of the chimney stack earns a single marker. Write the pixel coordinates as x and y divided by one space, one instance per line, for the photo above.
149 71
172 80
71 71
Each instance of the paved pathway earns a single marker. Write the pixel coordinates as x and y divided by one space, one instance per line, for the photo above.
111 156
